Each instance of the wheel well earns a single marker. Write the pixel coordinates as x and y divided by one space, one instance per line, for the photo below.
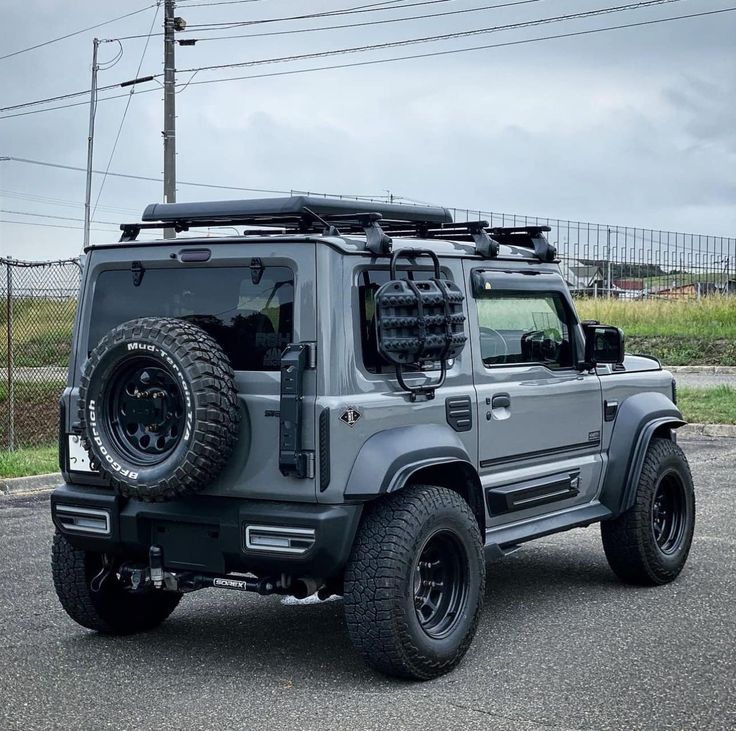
662 432
459 477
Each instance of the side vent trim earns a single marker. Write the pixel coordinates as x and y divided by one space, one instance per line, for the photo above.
459 413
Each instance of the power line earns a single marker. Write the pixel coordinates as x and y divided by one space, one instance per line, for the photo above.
191 4
336 12
437 38
178 182
58 218
64 202
73 104
127 106
451 52
58 98
53 225
75 33
433 54
354 10
221 2
425 16
136 177
373 47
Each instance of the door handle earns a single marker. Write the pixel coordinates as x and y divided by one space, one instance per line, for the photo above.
502 401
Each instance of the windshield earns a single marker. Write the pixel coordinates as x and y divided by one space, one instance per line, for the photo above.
251 320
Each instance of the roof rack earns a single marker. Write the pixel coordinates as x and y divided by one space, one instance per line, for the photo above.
335 216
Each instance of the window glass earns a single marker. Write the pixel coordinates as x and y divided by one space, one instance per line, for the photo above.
524 327
252 321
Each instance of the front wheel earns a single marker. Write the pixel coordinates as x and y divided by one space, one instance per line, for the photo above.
109 609
650 542
414 583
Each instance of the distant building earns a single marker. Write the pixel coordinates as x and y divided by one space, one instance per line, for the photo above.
628 288
582 278
690 291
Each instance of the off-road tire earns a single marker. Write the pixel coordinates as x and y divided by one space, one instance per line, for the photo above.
111 610
379 593
203 372
629 541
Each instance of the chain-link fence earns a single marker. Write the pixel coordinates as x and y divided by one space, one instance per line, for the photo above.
625 262
38 301
37 305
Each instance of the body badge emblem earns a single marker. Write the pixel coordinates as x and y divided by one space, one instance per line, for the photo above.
350 416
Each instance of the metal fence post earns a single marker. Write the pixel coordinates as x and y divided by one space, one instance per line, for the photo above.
10 394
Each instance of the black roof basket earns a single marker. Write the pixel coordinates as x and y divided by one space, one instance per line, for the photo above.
303 214
331 216
290 209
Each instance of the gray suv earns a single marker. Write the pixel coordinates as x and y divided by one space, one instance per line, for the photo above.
349 398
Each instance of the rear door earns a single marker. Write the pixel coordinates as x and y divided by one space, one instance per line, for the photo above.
254 298
539 417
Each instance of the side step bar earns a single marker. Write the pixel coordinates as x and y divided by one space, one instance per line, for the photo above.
504 539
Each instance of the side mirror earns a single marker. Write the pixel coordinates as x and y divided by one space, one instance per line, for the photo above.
603 344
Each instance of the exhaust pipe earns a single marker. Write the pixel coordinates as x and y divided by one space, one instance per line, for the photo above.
302 588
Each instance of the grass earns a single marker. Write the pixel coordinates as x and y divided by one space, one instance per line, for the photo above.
42 331
698 405
31 461
713 317
708 405
678 332
36 412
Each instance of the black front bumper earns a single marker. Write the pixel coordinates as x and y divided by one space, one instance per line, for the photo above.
208 534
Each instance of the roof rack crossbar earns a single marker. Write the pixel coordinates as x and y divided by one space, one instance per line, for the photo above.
527 237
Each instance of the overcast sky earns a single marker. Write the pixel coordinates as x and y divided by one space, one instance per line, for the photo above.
633 127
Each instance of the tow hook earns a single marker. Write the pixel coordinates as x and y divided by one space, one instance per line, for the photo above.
100 577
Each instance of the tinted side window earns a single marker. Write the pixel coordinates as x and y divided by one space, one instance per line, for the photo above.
252 321
524 327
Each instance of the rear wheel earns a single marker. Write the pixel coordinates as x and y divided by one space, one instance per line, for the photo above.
414 583
110 609
650 542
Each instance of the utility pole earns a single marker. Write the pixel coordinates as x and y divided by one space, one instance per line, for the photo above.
91 140
609 283
169 109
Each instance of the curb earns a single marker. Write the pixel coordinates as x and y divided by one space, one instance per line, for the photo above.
35 483
709 370
691 431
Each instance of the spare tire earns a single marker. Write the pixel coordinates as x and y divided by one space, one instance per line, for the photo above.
158 408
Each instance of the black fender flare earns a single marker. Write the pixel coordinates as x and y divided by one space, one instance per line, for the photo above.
388 458
640 417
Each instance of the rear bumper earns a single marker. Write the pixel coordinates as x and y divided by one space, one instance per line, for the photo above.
208 534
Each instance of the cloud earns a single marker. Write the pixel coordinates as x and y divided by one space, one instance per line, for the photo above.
633 127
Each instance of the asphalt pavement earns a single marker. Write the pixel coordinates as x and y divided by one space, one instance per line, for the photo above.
561 645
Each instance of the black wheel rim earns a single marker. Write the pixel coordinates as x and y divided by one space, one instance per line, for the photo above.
669 513
440 584
145 414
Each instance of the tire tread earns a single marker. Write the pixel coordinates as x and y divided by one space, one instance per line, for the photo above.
382 553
